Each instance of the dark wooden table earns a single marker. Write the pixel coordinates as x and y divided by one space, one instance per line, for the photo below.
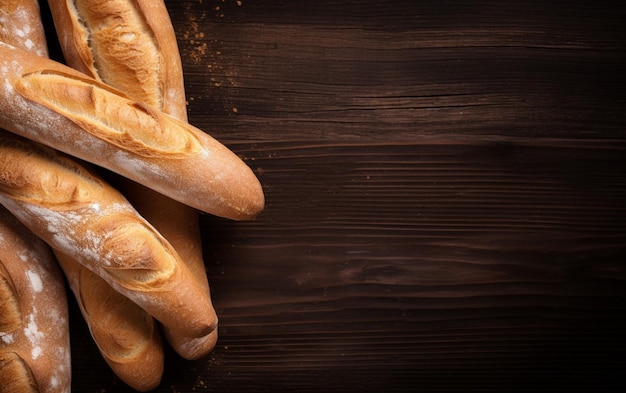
446 204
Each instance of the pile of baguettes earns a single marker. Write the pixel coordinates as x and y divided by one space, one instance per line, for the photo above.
129 247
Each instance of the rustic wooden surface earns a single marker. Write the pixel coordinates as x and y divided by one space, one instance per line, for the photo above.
445 196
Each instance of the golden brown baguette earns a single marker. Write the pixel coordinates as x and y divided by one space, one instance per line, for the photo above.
34 335
131 45
55 105
125 334
80 215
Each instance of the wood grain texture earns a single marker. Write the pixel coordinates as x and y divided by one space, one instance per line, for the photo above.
446 204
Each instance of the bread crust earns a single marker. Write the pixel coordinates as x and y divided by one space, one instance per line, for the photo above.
80 215
34 335
55 105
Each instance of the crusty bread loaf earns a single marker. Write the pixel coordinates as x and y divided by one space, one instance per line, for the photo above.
125 334
78 214
55 105
131 45
34 335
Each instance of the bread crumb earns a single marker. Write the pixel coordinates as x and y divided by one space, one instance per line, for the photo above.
194 36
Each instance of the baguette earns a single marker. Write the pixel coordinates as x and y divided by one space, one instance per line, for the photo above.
55 105
80 215
125 334
132 46
34 335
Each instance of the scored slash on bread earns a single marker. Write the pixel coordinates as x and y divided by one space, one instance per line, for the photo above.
96 108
